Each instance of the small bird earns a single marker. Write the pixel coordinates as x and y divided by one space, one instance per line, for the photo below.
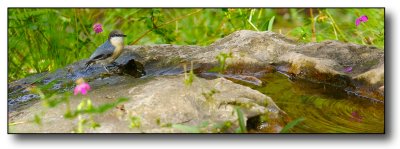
109 51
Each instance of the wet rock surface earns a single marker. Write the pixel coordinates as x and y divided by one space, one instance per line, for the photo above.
323 62
253 55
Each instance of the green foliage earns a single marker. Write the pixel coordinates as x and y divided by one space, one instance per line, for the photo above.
84 122
189 77
291 124
135 122
84 110
221 57
222 127
37 119
81 124
242 123
339 24
264 118
208 95
210 99
86 107
158 121
270 23
49 97
43 39
94 124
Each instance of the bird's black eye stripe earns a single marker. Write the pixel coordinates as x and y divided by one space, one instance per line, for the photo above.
119 35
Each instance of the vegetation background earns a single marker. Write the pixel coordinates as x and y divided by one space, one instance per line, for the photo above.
43 39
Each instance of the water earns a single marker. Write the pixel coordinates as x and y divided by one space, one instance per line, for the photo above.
326 109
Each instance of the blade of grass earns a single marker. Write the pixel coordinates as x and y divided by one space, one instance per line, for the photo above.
335 26
291 124
271 23
313 36
242 124
250 18
148 31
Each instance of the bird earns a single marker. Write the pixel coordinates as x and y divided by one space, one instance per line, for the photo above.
109 51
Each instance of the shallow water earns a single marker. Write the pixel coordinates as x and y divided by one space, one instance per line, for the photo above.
326 109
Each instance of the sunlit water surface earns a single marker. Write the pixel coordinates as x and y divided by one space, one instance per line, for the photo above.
326 109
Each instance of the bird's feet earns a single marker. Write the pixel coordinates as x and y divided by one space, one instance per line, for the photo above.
112 67
105 67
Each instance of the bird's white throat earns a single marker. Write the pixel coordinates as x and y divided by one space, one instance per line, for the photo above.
117 41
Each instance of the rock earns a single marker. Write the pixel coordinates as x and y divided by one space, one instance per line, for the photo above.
319 62
253 55
382 88
373 76
165 99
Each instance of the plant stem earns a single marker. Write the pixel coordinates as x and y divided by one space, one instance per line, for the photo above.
154 27
313 36
336 27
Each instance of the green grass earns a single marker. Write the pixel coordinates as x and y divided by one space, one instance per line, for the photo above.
291 124
41 40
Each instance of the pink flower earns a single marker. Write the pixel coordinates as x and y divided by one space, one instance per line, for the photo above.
97 28
82 88
348 69
363 18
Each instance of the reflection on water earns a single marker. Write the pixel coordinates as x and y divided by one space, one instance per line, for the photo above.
326 109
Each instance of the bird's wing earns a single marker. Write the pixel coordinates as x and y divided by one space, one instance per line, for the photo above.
102 52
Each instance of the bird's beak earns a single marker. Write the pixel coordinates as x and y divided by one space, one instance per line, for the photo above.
124 35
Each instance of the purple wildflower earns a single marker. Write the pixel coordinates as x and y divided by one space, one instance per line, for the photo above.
348 69
82 87
363 18
97 28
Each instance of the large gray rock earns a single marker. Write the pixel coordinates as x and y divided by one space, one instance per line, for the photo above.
163 99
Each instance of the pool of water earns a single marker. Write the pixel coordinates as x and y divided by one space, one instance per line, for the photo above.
326 109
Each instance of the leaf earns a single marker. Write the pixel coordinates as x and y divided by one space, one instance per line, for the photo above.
70 115
222 127
135 122
189 77
49 85
105 107
237 130
94 125
53 102
270 24
291 124
81 105
38 120
221 57
88 108
242 124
